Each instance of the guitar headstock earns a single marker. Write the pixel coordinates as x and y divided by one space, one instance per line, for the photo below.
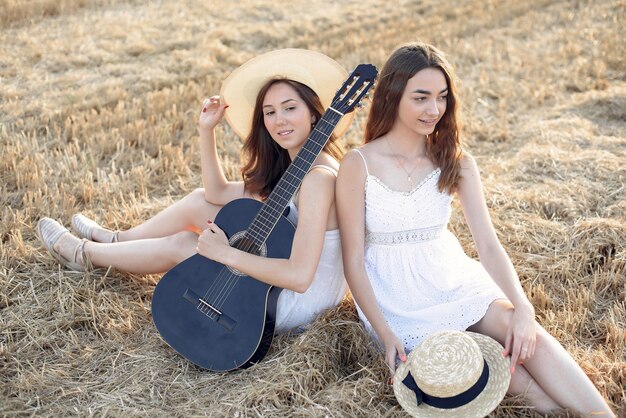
354 88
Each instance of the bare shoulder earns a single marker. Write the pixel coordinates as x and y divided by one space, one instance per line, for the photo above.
467 161
316 194
352 157
364 152
470 181
469 167
321 178
321 174
353 164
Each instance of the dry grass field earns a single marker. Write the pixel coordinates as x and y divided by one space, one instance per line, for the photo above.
98 100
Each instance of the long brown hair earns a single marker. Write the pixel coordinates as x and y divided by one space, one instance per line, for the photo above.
444 144
265 160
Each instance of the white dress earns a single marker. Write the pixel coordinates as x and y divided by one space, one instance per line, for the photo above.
423 280
295 310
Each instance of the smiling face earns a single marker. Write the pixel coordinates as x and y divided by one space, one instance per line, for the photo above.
286 116
423 102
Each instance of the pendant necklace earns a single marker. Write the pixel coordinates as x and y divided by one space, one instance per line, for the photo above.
408 175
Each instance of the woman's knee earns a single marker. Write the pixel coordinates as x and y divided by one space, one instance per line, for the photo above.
502 318
183 245
496 321
196 197
197 206
507 311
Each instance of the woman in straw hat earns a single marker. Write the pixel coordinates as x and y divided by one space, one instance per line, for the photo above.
407 272
273 101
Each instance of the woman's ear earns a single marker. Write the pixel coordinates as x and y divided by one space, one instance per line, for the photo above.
312 119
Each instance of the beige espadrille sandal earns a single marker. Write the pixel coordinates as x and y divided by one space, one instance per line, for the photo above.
50 231
84 228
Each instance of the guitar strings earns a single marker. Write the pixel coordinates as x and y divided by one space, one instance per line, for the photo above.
224 291
231 281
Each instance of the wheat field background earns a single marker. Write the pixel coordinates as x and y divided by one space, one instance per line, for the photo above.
98 101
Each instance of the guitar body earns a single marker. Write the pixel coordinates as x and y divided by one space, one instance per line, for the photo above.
241 333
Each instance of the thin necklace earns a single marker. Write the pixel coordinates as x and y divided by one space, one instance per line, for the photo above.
408 175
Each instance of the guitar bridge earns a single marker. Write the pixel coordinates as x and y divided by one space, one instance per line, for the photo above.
209 310
208 305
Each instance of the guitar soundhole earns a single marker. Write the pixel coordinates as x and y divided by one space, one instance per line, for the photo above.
243 243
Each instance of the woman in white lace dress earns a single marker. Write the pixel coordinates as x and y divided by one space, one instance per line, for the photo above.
407 272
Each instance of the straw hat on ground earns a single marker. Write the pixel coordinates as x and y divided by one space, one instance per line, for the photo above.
320 73
453 374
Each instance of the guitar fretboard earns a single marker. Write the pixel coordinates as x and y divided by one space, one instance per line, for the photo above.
275 205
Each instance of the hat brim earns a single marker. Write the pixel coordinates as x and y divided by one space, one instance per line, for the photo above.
482 405
315 70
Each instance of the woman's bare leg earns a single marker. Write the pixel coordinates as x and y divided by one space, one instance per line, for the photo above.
143 256
522 383
551 367
190 213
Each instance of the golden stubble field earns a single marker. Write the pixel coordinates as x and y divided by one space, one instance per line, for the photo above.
98 101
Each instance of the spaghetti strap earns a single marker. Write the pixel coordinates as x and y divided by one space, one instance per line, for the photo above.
367 171
332 170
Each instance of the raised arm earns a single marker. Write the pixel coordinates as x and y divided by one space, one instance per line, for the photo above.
494 258
217 189
350 196
315 201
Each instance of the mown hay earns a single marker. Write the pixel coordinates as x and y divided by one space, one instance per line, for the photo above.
98 101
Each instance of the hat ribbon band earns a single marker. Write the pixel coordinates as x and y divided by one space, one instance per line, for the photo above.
453 401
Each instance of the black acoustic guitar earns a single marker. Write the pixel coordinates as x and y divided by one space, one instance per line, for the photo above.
217 317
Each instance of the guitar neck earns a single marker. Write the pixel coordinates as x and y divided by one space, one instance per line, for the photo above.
275 205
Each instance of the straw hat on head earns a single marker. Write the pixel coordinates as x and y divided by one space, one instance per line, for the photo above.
320 73
453 374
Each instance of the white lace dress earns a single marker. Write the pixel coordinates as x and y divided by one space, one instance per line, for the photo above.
423 280
296 310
